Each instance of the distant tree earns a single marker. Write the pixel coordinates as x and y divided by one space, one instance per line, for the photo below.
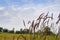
1 29
21 30
47 31
11 31
26 31
5 30
18 32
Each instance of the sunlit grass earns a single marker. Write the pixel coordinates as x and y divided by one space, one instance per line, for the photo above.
8 36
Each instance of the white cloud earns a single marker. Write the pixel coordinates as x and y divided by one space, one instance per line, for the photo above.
13 15
2 8
6 14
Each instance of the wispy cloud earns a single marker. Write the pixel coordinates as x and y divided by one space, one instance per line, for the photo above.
12 14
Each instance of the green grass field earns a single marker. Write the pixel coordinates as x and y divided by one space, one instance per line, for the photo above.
8 36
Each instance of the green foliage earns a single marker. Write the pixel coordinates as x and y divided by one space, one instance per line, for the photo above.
47 31
8 36
1 29
18 32
5 30
11 31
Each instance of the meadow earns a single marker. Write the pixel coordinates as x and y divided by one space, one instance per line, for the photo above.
9 36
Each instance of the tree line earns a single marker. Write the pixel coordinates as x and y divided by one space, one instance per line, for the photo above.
26 31
21 31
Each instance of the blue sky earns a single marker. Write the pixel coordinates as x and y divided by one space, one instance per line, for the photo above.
12 12
25 2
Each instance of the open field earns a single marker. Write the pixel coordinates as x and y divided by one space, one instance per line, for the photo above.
8 36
